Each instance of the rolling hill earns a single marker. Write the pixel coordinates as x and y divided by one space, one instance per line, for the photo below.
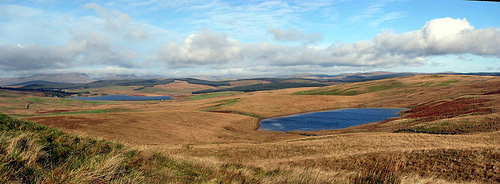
448 134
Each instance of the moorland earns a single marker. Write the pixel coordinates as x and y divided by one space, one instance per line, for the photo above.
208 132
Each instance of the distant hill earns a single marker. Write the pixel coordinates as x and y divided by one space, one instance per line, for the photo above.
207 77
127 82
262 87
351 77
81 78
32 82
477 74
56 78
120 77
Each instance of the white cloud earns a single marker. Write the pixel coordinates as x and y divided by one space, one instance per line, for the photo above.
443 35
82 50
293 35
203 48
114 20
445 29
31 57
118 22
211 50
376 14
40 40
440 37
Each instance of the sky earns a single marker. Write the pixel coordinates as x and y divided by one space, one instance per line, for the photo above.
182 38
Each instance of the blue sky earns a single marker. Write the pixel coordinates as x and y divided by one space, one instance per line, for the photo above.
247 38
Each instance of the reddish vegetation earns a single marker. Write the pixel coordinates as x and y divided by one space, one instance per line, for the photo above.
493 92
449 109
67 122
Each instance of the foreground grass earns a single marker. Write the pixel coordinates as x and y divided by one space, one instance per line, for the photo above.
366 154
33 153
471 165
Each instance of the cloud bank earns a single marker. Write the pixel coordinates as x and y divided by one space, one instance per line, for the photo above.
443 36
203 48
83 49
86 45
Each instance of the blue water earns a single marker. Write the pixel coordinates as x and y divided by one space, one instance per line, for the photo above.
123 98
336 119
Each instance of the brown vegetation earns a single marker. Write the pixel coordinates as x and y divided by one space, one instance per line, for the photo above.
177 87
448 109
466 105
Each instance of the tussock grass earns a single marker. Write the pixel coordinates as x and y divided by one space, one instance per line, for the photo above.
32 153
473 165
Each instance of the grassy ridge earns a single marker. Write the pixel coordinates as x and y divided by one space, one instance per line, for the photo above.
368 87
128 82
262 87
141 85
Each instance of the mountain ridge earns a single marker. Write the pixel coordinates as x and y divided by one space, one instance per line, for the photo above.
343 77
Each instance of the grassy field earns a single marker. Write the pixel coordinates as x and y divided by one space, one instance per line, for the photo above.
450 133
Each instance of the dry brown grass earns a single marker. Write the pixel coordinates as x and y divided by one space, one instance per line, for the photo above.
247 82
165 127
355 154
335 145
182 87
